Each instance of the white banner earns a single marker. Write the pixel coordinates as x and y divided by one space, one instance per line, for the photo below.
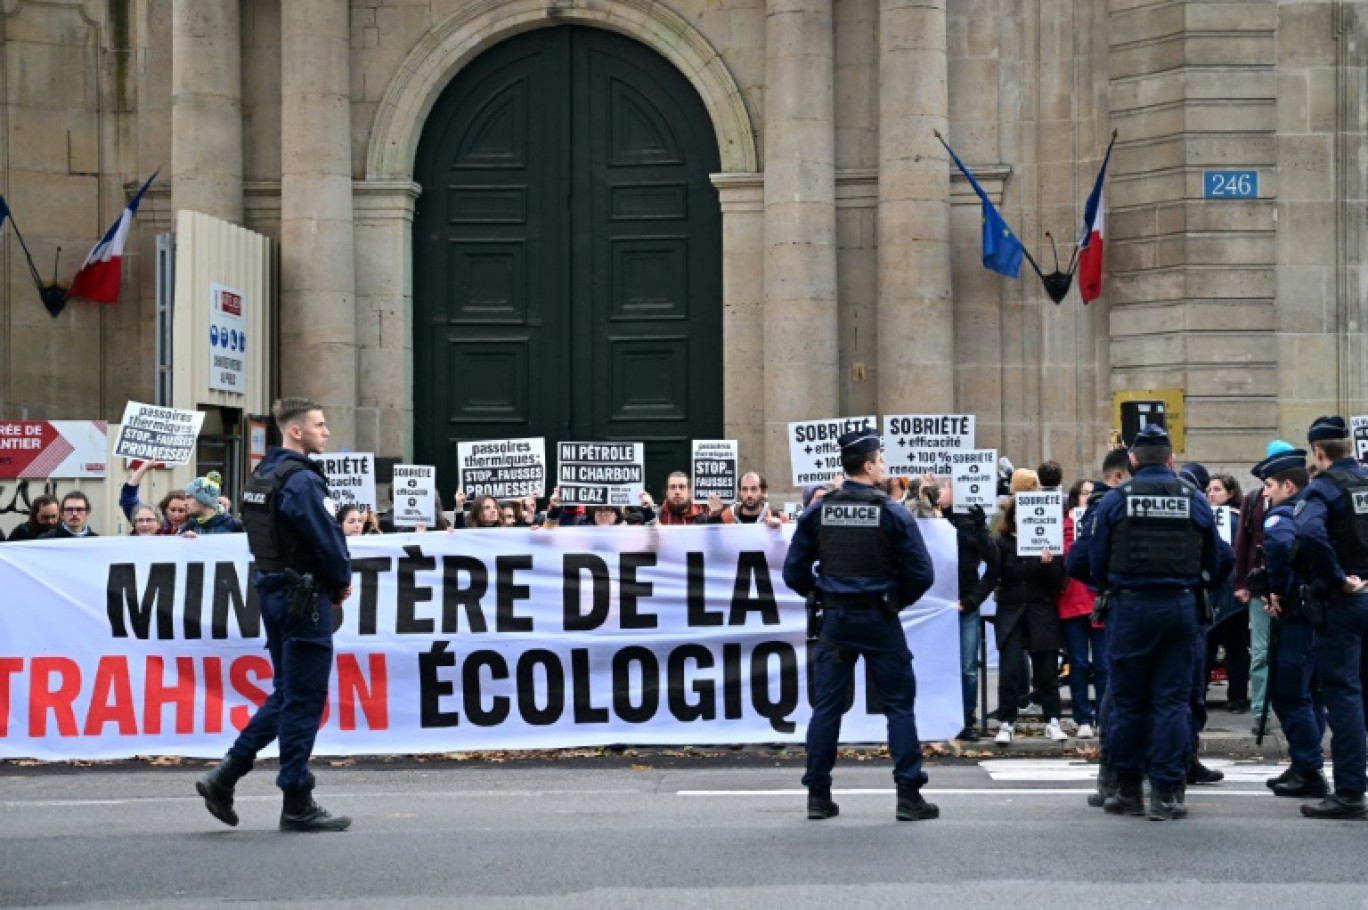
1040 523
478 639
975 479
151 433
351 478
39 449
503 468
1225 523
1359 425
714 469
415 495
916 444
601 473
813 453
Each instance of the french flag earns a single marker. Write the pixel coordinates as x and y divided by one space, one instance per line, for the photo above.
1090 239
99 276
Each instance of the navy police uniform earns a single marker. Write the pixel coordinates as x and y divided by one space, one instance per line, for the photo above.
1154 541
289 530
1332 534
863 556
1303 724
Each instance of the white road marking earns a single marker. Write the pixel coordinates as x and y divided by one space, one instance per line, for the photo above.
1056 770
970 791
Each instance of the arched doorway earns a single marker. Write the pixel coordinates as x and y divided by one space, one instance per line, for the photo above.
567 253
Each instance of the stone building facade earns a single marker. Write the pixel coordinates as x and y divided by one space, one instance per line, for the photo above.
846 275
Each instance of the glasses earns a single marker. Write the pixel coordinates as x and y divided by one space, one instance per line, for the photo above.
75 510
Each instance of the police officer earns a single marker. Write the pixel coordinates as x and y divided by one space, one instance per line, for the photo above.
1332 533
1284 478
863 556
1154 541
302 571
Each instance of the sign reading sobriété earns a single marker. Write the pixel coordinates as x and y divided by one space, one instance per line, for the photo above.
351 478
916 444
415 495
813 453
975 478
1040 523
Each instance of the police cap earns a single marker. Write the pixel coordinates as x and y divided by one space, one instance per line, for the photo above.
1274 465
1323 428
1151 435
1195 474
857 441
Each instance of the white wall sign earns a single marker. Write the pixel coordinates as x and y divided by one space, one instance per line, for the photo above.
714 469
975 476
503 468
916 444
1040 523
150 433
601 473
813 453
351 478
227 339
415 495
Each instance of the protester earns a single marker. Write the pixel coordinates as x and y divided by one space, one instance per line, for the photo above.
43 516
1051 476
752 506
352 519
207 513
172 509
75 515
1027 623
599 515
974 547
813 493
1084 642
1230 629
483 513
146 522
680 509
1249 537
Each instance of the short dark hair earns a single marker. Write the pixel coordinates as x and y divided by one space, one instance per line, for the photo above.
36 506
854 462
1076 493
1334 449
1152 454
1050 474
1116 460
76 494
288 410
1298 477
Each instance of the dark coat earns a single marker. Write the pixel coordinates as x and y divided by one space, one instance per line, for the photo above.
1028 591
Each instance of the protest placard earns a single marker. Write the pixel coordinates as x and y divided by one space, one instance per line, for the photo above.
916 444
1360 428
503 468
813 453
1225 523
601 473
714 469
1077 516
1040 523
151 433
415 495
351 478
975 478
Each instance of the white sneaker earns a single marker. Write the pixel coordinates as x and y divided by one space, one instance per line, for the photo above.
1032 710
1085 731
1053 731
1004 735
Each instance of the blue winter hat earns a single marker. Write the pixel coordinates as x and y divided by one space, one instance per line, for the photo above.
1276 464
1323 428
1195 474
857 441
207 489
1277 447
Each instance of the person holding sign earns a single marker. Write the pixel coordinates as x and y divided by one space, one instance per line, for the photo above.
863 559
1153 543
753 506
302 567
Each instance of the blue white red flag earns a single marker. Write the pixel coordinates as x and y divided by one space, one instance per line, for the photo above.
99 276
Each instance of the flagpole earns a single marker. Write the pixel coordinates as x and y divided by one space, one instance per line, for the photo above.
33 269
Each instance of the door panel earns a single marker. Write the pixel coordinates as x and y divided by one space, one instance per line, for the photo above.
567 253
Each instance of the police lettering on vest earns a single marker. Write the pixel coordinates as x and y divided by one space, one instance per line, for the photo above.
1347 524
851 542
274 543
1156 536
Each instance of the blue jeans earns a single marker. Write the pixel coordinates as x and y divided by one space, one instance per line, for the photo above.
971 638
301 651
1303 723
1339 667
846 636
1079 638
1154 639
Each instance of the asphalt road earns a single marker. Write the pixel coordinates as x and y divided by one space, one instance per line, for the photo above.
708 833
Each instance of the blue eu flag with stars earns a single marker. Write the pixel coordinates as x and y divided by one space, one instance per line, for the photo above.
1001 248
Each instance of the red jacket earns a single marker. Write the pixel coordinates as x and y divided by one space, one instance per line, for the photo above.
695 514
1076 599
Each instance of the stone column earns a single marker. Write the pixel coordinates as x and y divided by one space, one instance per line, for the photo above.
741 196
317 273
916 323
801 344
206 108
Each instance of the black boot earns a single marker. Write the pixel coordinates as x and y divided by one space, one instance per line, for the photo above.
820 804
1303 785
216 786
1288 773
1167 803
1338 805
912 807
1199 773
1129 799
301 813
1106 786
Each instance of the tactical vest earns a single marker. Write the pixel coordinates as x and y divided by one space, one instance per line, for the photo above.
1347 524
274 543
851 543
1156 535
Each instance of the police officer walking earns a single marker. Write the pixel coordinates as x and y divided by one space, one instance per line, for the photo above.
302 570
1154 542
1332 533
863 557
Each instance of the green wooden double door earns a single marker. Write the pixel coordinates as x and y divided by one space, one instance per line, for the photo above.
567 254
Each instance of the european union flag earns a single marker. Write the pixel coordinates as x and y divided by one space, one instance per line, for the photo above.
1001 249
